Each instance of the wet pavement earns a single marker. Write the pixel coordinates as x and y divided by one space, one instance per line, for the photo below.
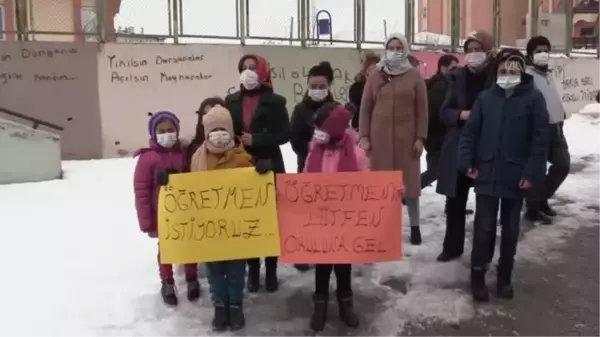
560 299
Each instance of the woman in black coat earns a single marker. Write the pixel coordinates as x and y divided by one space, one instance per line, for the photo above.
356 89
261 120
320 78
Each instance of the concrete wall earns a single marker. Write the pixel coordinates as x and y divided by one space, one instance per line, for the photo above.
102 94
28 155
57 83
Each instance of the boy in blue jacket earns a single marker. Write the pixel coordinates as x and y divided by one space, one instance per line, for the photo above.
503 149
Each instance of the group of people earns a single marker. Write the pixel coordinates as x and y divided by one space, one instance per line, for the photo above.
492 124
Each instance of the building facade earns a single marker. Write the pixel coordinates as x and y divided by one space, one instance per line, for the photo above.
71 17
435 17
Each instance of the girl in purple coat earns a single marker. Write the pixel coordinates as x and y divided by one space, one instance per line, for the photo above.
164 155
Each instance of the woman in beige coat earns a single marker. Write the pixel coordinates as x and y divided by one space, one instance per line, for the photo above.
393 122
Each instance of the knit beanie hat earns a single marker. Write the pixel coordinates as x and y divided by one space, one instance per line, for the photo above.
217 117
159 117
484 38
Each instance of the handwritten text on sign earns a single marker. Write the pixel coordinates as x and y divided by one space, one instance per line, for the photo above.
216 216
340 217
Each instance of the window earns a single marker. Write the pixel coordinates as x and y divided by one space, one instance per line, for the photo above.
587 31
89 22
2 22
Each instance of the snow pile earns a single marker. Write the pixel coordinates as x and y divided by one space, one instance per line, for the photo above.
76 264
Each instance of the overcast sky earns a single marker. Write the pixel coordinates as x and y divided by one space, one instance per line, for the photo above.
267 17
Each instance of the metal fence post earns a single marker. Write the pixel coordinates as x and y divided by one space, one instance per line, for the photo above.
455 31
534 17
363 20
358 23
496 20
101 18
568 8
597 32
303 20
242 19
176 18
22 21
409 20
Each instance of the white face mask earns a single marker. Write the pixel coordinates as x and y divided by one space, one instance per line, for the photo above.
394 59
476 59
220 139
249 79
318 95
508 82
166 140
321 137
541 59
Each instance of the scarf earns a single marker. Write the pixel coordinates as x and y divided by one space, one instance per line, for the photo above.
401 67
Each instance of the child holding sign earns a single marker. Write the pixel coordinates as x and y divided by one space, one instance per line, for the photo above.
334 149
165 155
221 151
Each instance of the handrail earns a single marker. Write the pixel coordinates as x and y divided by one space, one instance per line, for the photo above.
36 122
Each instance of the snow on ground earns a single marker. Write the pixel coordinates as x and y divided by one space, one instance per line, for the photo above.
75 262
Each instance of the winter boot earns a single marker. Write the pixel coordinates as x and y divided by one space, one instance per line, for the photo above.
237 320
319 317
415 235
253 282
538 216
193 288
302 267
167 291
479 289
504 287
445 257
546 209
347 314
220 321
271 281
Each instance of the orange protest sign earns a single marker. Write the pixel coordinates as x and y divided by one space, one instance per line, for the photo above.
344 217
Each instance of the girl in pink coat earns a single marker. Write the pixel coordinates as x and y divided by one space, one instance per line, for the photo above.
164 155
334 149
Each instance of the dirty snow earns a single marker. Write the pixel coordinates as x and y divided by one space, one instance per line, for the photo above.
75 263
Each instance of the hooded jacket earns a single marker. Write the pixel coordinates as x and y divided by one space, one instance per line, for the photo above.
153 161
505 139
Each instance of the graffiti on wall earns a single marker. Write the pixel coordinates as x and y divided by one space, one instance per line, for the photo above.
103 99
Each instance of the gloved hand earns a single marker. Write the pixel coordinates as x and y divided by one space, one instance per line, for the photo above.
263 166
163 176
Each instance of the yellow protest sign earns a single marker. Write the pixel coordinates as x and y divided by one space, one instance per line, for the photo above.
217 215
